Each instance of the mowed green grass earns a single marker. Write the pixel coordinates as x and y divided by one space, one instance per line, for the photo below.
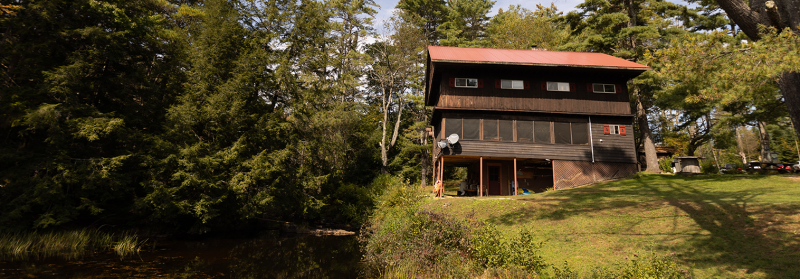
719 226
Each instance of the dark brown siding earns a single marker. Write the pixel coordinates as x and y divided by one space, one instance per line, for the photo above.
613 148
534 99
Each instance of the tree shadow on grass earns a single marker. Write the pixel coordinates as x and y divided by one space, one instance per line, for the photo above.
739 236
747 238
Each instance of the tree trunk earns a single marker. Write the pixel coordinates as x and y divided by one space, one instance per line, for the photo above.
716 161
651 157
763 136
789 84
741 147
384 149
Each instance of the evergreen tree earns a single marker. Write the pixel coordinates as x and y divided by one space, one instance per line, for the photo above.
466 23
520 28
427 15
84 90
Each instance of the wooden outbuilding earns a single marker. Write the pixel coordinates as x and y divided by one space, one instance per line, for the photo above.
533 118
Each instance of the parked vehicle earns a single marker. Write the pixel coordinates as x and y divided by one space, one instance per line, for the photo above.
754 165
796 167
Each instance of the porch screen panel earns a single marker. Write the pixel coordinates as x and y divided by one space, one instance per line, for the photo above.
472 129
580 133
541 131
524 131
561 131
506 130
490 129
452 126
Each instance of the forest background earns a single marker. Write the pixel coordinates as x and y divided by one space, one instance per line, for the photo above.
198 116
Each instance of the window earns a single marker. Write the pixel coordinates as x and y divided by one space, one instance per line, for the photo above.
467 82
512 84
541 130
506 130
614 130
490 129
452 126
525 131
580 133
603 88
472 129
562 132
558 86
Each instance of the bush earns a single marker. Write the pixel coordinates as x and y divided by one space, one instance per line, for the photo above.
665 164
647 267
708 167
403 240
490 249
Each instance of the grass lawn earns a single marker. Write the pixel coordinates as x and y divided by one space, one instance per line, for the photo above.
720 226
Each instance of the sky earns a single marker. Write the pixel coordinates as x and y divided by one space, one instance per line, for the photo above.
563 5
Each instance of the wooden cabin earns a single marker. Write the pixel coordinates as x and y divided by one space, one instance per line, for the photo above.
540 118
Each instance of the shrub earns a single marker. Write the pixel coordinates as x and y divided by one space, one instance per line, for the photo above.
490 249
402 240
665 164
708 167
646 267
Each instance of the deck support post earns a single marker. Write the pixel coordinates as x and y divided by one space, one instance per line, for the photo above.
441 175
516 186
481 172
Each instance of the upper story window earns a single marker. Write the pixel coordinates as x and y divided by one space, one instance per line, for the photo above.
512 84
467 82
603 88
558 86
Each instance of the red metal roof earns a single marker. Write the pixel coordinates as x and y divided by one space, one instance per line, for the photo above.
530 57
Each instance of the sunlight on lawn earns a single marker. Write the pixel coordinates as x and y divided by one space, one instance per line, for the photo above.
726 226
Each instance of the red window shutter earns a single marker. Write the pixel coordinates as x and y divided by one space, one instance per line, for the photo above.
497 84
619 88
606 130
622 130
480 83
527 85
572 87
589 88
452 82
544 86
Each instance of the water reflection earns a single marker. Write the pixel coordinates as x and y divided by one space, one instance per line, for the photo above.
267 257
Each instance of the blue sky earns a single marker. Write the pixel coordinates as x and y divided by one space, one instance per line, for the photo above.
563 5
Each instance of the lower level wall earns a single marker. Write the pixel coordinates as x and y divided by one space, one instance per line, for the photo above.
569 174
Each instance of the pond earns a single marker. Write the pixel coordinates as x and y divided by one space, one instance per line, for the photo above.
275 256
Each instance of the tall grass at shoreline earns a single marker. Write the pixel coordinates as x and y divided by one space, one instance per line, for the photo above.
66 244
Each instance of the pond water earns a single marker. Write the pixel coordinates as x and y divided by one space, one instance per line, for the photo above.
265 257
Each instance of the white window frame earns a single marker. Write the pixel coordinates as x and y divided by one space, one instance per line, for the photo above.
558 85
466 82
613 86
613 130
520 84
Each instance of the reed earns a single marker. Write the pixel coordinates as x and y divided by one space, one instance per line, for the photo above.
66 244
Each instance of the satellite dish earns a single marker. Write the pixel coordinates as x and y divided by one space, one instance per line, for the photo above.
442 144
453 138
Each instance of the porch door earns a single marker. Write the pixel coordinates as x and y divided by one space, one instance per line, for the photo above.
494 180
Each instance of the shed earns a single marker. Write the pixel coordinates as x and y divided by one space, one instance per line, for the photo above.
687 164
